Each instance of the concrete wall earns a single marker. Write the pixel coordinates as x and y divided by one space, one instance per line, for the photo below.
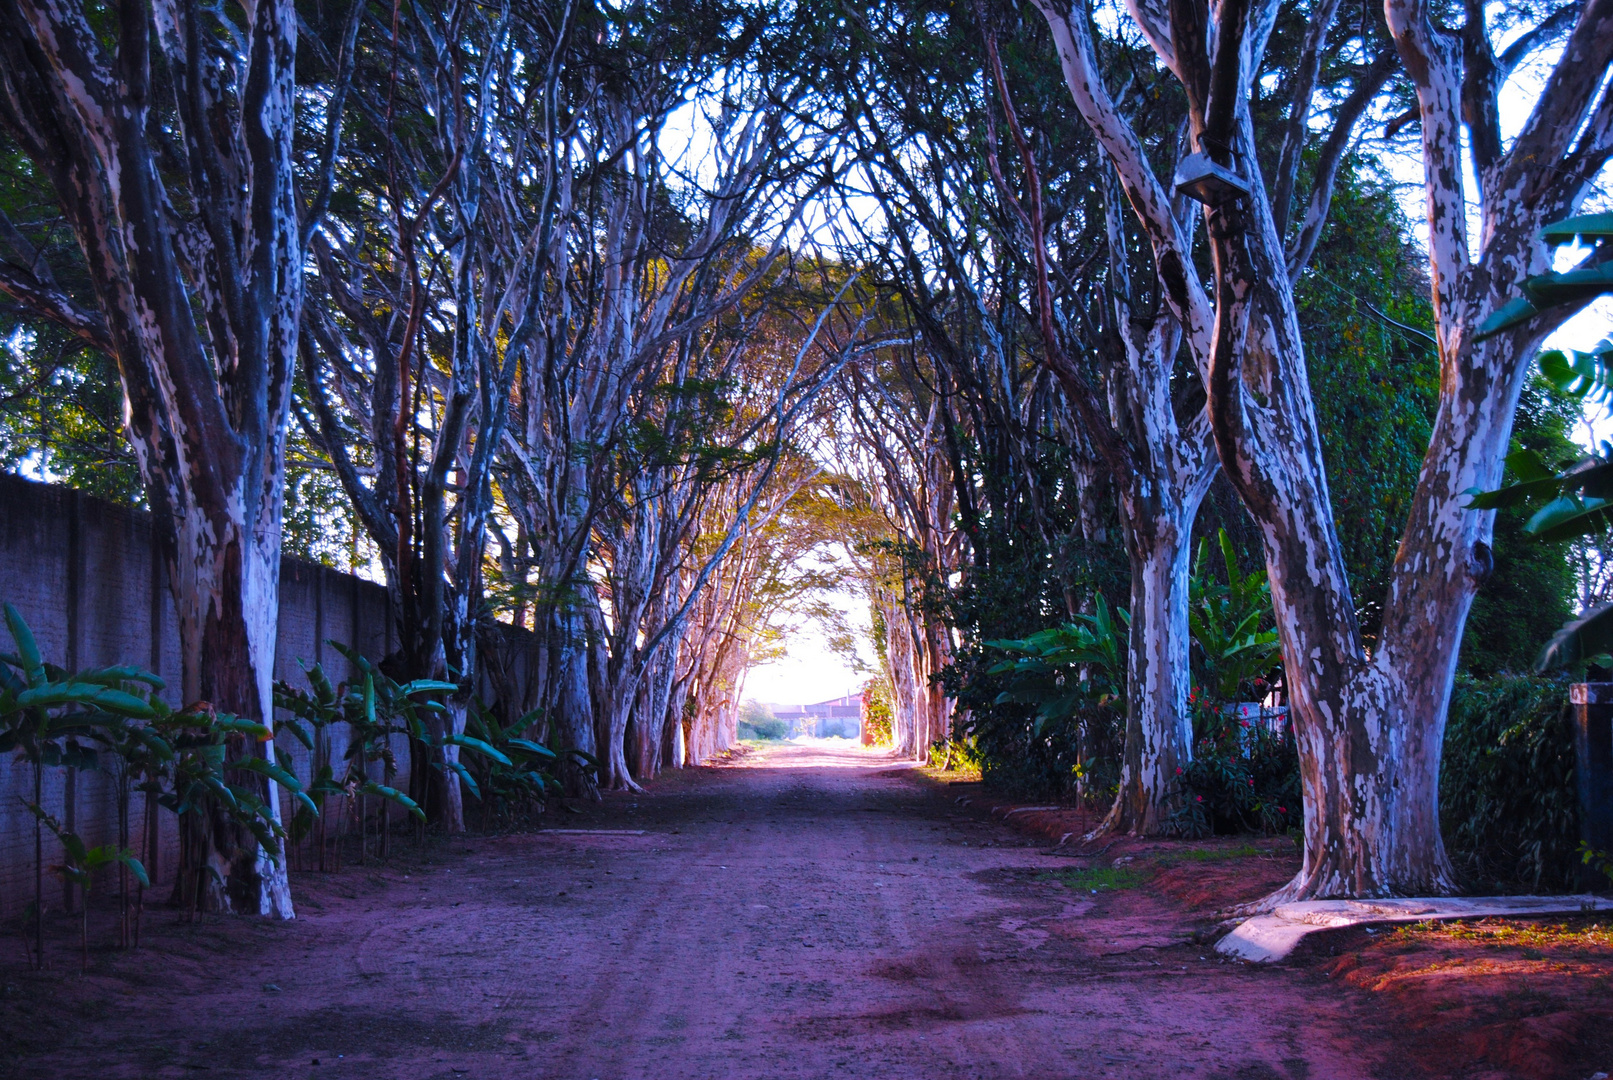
88 578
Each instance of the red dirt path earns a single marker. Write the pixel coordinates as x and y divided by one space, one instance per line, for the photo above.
805 912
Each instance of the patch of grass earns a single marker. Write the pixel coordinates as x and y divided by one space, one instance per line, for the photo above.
1217 854
1096 879
1527 934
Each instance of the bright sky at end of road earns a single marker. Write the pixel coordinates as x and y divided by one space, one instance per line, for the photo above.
809 672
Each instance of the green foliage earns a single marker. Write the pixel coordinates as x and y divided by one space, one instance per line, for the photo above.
1236 649
1543 292
80 862
756 721
877 716
1556 496
1597 860
1072 680
1063 669
1016 590
498 765
1203 855
374 709
1578 493
512 774
1365 315
111 718
1508 802
61 401
1244 776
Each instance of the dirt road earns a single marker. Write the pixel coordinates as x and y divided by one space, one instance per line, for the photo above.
808 912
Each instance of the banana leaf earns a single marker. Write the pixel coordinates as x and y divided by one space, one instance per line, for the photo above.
470 742
243 727
393 794
465 777
120 673
33 666
1569 516
1589 635
423 686
50 695
1585 226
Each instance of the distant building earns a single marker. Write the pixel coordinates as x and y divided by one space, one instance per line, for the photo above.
840 716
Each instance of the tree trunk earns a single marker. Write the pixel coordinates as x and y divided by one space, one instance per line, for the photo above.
1159 729
569 699
227 594
200 311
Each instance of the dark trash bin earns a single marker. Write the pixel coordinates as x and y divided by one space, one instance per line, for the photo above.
1593 745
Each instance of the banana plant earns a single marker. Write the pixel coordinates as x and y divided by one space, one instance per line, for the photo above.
1045 669
1227 623
1579 494
59 719
527 779
374 710
1592 278
1577 498
45 712
199 785
79 864
376 707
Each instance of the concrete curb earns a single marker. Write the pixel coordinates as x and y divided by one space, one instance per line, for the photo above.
1266 938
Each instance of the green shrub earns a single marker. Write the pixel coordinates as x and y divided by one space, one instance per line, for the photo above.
1508 804
770 730
876 702
1244 776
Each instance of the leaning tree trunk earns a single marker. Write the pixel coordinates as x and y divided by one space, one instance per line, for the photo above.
619 702
650 723
905 694
1371 741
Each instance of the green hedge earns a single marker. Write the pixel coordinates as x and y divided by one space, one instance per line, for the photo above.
1508 803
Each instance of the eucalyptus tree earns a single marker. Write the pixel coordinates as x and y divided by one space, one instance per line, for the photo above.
899 454
690 480
174 144
1150 430
688 164
775 574
437 275
947 438
1002 218
1369 725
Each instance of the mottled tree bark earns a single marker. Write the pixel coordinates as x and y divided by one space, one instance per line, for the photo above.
1369 728
200 313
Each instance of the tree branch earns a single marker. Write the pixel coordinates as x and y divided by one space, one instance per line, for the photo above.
1327 165
1148 198
1297 124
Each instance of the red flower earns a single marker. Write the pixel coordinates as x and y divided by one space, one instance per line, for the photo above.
1178 770
1198 798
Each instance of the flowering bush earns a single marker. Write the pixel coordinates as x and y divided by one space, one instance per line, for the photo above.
1244 776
